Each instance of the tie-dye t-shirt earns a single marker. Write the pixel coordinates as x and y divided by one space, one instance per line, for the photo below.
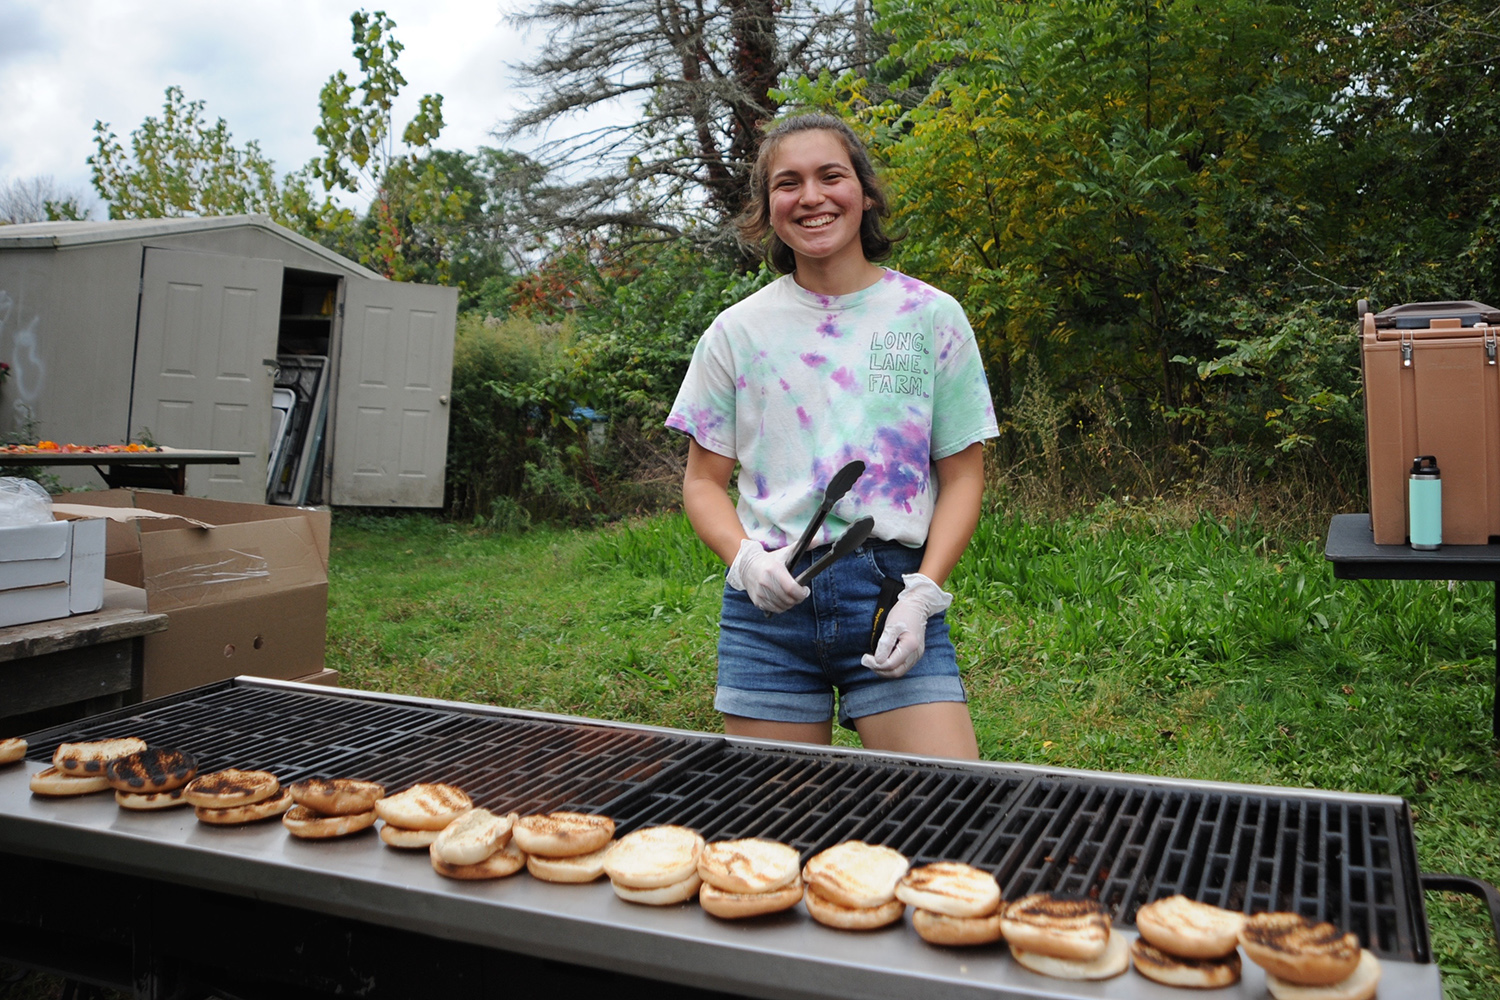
795 385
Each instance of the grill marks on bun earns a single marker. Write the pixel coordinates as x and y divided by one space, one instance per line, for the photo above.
563 834
1293 948
506 861
856 874
1186 928
1072 929
739 905
424 807
250 812
53 783
1358 985
12 749
940 928
1111 962
1193 973
574 870
473 836
150 801
337 796
831 913
90 758
950 888
309 824
154 769
232 787
750 866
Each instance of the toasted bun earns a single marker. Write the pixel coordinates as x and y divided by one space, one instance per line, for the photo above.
578 868
654 857
749 866
12 749
1194 973
1189 929
940 928
563 834
850 918
90 758
473 837
1291 947
856 874
248 813
506 861
154 769
407 840
665 895
738 905
148 801
52 782
232 787
1114 960
424 807
950 888
1358 985
337 796
1041 924
303 822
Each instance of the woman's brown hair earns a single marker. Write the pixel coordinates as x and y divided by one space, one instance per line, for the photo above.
755 221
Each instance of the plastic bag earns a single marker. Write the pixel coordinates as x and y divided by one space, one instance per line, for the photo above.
23 501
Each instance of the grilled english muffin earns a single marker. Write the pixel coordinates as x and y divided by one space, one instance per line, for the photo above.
12 749
654 857
950 888
90 758
232 787
563 834
834 914
940 928
249 812
154 769
424 806
55 784
738 905
1358 985
308 824
337 796
1189 929
1194 973
856 874
1113 961
1293 948
749 866
1042 924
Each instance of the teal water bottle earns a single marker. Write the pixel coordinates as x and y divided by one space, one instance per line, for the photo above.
1424 504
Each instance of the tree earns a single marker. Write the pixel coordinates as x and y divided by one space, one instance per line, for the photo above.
702 77
179 165
360 152
38 199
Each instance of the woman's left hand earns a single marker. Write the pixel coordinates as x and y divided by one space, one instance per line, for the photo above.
904 638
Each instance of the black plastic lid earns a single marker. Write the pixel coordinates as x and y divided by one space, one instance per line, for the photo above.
1424 465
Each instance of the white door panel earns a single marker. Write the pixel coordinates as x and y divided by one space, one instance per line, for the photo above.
207 324
390 419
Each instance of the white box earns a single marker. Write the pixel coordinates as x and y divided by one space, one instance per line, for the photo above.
51 570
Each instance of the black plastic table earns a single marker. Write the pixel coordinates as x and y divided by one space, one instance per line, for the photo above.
152 470
1355 556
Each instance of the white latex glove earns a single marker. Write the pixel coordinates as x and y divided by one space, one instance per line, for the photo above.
765 578
904 638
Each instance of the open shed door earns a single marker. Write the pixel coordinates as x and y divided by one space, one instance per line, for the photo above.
390 417
205 357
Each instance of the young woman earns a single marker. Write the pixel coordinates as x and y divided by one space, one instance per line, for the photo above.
838 360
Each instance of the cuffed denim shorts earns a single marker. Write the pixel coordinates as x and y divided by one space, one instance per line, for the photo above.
787 667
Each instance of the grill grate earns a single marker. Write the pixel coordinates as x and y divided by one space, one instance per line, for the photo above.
1123 841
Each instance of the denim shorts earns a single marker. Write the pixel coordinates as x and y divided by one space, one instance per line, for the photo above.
787 667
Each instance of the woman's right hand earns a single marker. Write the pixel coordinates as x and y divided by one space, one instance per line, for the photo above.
764 578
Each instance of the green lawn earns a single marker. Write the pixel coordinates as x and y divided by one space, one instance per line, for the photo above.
1122 641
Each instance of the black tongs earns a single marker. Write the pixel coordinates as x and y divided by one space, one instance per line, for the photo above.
837 487
852 538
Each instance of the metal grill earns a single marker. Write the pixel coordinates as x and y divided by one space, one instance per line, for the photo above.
1125 841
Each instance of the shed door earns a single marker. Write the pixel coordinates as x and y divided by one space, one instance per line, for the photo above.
390 419
206 331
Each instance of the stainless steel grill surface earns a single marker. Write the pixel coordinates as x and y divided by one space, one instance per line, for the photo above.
1124 840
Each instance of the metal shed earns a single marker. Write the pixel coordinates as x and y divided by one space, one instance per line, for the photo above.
232 334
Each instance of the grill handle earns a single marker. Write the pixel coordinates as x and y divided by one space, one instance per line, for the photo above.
1469 886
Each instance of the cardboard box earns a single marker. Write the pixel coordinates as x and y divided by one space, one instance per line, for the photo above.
51 570
244 586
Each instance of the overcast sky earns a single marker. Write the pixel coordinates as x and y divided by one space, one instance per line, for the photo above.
258 64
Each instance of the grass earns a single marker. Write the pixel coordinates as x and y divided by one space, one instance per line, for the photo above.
1127 639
